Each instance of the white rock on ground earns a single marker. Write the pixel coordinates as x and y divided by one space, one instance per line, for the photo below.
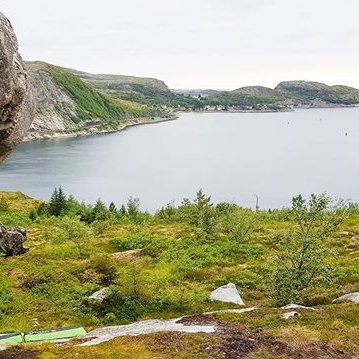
101 335
352 297
235 311
290 315
227 293
295 306
100 295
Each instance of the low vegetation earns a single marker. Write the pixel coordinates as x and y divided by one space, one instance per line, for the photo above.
164 265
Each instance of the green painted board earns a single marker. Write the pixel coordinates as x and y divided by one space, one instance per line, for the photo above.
11 338
54 334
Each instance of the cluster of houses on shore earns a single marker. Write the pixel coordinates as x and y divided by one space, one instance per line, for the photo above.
258 107
238 108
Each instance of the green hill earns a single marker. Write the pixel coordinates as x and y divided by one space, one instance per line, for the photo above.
287 94
310 91
143 90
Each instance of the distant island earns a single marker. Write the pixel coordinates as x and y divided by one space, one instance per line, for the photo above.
70 102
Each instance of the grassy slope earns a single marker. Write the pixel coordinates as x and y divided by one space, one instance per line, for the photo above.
91 104
174 273
146 91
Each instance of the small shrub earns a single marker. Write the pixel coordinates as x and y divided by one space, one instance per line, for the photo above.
103 269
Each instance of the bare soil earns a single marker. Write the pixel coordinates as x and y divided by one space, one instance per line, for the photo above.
9 354
241 342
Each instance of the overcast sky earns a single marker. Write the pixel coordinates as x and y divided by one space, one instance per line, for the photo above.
195 43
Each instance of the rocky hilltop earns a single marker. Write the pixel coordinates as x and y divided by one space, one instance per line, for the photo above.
120 82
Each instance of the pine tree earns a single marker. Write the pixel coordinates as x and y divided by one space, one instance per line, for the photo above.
99 211
204 216
123 211
112 208
33 215
133 205
58 203
53 203
61 201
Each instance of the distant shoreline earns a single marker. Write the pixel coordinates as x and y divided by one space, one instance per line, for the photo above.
123 125
90 131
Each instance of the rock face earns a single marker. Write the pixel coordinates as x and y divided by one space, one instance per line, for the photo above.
11 241
54 107
227 293
15 101
350 297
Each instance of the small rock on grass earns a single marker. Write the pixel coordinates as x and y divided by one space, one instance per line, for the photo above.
227 293
295 306
290 314
350 297
100 295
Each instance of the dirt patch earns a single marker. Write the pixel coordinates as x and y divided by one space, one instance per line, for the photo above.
167 339
127 255
322 350
199 320
8 354
240 342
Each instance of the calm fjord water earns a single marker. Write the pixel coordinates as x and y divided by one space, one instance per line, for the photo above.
232 156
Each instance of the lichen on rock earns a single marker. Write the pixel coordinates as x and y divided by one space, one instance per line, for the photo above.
12 240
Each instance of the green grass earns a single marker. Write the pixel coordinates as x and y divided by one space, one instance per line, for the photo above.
178 266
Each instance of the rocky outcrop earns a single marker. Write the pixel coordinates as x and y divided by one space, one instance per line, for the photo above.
55 109
15 103
12 240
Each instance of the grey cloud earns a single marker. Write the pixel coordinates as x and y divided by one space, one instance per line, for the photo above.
195 43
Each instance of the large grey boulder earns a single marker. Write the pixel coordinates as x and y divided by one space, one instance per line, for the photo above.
12 240
16 107
227 293
350 297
